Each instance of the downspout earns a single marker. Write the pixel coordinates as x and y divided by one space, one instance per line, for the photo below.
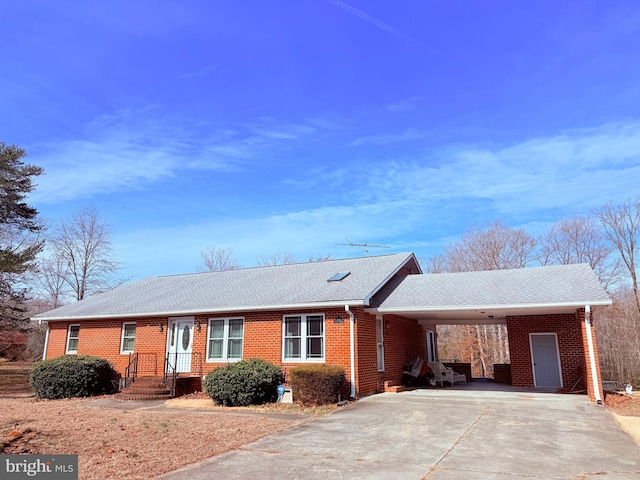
352 350
592 355
46 342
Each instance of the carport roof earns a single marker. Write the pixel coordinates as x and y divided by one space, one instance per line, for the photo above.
490 296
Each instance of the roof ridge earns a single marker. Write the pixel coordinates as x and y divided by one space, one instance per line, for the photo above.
258 267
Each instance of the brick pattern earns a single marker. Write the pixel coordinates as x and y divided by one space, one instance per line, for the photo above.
404 340
572 344
262 338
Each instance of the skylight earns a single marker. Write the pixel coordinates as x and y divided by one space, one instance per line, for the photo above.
338 277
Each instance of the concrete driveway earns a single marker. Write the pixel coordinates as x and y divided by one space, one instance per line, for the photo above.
441 435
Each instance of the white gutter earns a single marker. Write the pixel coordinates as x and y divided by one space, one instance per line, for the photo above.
514 306
352 350
592 356
182 313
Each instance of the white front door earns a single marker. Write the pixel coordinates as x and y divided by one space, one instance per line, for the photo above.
179 342
546 361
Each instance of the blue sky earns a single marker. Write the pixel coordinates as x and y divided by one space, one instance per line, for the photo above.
294 126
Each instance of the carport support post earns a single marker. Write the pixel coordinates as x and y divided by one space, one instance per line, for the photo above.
352 350
592 356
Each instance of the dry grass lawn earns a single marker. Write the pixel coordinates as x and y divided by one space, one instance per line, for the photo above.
121 444
127 444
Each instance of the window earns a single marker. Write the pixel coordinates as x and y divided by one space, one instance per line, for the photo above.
225 338
380 342
431 346
73 334
303 337
128 337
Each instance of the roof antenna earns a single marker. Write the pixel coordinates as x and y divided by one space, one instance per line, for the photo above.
365 245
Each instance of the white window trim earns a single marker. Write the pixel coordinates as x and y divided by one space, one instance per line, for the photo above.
72 352
122 350
380 342
225 341
303 339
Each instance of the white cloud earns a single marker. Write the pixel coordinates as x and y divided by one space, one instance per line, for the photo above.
578 169
136 148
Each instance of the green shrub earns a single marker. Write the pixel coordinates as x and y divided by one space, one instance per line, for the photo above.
316 384
247 382
72 376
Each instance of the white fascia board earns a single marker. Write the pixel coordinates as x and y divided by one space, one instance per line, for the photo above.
179 313
367 299
515 306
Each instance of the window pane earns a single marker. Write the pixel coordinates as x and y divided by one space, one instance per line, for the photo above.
380 350
314 325
235 328
73 345
216 329
74 331
292 348
130 330
292 326
127 344
215 348
379 327
235 348
314 347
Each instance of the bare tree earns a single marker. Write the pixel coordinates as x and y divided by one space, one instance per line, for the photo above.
50 280
494 247
580 239
83 254
622 226
435 264
217 259
276 259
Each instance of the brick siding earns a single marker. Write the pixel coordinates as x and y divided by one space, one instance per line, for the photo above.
572 345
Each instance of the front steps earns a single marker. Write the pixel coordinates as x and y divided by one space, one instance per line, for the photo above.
146 388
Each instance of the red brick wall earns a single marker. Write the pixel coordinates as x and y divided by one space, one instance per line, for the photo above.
404 340
571 345
262 338
102 338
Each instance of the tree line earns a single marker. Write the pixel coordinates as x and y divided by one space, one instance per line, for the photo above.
44 265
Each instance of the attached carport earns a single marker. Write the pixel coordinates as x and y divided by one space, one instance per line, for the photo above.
547 310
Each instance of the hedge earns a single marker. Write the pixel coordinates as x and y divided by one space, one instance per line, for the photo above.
317 384
72 376
247 382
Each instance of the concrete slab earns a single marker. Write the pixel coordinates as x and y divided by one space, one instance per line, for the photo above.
441 434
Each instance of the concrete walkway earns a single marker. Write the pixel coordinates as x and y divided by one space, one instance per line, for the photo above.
441 434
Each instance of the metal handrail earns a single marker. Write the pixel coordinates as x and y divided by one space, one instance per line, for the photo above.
171 368
131 371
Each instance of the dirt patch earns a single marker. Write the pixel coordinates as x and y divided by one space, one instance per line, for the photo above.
126 444
626 411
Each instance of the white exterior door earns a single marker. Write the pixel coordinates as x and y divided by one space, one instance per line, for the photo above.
546 361
179 342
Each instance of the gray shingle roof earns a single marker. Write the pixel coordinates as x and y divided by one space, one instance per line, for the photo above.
553 285
303 284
